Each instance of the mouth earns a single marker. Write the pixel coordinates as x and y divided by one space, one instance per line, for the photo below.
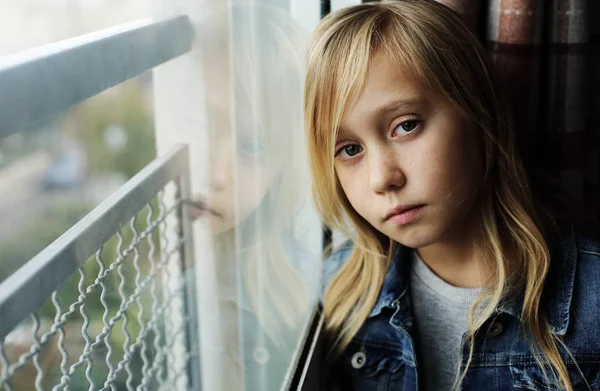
199 208
403 214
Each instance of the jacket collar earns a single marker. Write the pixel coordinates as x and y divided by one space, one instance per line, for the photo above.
395 284
558 287
556 298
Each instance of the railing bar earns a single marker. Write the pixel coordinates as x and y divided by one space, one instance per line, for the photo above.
45 81
27 289
190 296
296 360
309 378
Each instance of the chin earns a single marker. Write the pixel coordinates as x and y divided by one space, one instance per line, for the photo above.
415 237
219 226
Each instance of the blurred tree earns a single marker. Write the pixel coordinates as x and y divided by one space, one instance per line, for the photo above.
43 231
97 122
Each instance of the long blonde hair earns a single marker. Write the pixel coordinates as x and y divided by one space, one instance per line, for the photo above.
430 40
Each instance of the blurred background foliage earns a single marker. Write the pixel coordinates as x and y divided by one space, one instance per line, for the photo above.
127 109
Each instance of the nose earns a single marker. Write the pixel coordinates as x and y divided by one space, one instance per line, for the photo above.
220 164
385 173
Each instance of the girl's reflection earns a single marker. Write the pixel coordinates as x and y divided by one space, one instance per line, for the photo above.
258 180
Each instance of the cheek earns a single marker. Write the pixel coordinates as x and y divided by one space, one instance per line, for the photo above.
345 180
355 186
254 181
453 169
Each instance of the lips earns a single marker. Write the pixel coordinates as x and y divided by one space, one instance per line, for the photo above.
199 208
403 214
399 210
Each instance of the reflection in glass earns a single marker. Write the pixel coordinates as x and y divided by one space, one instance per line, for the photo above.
256 202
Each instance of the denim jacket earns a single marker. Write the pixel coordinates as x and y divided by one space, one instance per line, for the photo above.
382 356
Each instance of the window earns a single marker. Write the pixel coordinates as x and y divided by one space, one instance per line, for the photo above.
198 259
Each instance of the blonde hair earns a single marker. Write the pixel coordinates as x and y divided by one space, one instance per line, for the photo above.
431 41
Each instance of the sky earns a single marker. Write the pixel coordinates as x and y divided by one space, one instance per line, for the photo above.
29 23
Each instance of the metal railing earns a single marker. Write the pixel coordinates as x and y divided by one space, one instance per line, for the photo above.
129 257
41 82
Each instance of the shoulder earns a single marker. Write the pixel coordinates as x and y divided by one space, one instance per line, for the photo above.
576 254
588 261
585 297
334 263
588 247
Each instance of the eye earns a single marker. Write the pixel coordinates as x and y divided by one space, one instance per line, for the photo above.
252 149
349 151
406 127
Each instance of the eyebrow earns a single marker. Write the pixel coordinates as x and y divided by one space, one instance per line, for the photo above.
395 105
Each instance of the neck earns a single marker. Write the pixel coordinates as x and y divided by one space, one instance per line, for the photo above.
458 258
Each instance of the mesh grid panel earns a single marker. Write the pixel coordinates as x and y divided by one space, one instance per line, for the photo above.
118 323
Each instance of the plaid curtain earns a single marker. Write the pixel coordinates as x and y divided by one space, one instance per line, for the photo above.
548 56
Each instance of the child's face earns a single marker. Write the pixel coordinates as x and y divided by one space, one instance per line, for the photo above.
402 145
242 166
242 169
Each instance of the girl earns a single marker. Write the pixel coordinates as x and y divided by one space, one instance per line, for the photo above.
455 278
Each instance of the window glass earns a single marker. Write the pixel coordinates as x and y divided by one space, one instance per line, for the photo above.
59 171
30 23
53 175
236 100
255 198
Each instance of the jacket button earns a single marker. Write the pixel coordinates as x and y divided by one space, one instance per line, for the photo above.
261 355
496 328
359 359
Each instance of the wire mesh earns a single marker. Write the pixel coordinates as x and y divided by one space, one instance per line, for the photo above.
118 323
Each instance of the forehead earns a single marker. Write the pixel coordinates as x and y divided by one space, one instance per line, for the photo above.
388 87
